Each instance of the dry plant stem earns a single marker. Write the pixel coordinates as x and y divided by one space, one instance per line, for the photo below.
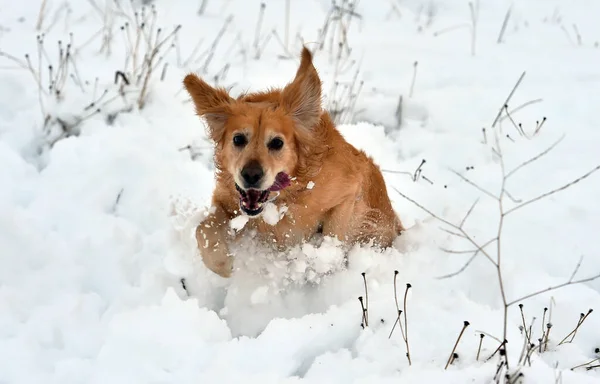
582 318
510 95
366 298
396 291
475 253
555 287
465 325
408 286
41 16
398 310
488 335
552 192
547 336
539 126
497 349
502 214
527 335
474 13
202 8
397 322
516 109
362 306
257 34
481 336
414 79
504 24
544 319
518 127
536 157
584 364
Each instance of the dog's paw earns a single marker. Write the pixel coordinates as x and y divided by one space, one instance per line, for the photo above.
219 265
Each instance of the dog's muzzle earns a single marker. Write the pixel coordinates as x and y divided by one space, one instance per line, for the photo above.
252 200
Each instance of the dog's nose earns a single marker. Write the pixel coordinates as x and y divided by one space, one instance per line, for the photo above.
252 174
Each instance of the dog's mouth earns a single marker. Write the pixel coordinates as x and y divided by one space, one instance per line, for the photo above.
252 200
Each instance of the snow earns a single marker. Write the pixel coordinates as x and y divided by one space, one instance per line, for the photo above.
97 229
272 213
239 222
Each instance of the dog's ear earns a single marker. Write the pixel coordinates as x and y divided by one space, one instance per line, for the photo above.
214 104
302 97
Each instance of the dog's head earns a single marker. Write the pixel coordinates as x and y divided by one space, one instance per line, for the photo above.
257 135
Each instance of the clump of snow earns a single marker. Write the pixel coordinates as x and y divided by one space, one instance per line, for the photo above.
272 213
239 222
100 276
310 185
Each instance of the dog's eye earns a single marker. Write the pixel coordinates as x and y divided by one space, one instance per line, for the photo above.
275 144
239 140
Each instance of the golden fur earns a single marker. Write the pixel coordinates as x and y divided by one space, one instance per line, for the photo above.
349 199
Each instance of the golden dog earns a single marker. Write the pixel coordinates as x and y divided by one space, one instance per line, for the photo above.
275 143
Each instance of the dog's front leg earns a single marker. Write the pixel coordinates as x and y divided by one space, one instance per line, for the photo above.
339 221
211 236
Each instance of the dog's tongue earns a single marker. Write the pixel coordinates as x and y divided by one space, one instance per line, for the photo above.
282 180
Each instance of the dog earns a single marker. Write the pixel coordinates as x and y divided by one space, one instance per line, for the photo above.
281 144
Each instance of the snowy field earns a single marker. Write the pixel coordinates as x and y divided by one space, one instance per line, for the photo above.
105 171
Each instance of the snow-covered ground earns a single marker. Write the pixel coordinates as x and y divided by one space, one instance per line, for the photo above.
96 228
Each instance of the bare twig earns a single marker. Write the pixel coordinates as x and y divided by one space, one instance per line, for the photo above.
504 24
366 299
465 325
552 192
408 286
584 364
414 79
510 95
582 318
536 157
481 336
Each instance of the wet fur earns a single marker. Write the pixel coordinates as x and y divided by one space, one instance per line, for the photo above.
349 199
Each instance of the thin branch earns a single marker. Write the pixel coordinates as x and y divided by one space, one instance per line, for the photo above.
555 287
488 335
465 325
536 157
552 192
475 185
466 265
463 234
584 364
516 109
510 95
576 268
462 223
